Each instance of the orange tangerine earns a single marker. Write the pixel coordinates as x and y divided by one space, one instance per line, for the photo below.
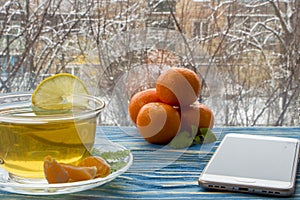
198 115
158 122
178 86
139 99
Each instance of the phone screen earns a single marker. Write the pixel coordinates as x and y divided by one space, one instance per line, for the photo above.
254 158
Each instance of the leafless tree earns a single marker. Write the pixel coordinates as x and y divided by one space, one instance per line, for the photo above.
265 35
255 45
43 37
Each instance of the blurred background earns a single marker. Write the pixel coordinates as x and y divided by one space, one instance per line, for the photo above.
252 46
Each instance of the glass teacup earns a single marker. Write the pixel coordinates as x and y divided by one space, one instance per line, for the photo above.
28 134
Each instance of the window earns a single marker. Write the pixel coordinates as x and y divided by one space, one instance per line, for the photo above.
162 6
200 28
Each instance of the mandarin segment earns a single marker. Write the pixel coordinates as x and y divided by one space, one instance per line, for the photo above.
103 168
77 173
89 168
139 99
178 86
54 172
158 122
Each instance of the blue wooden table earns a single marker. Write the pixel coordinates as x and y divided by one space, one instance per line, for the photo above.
159 172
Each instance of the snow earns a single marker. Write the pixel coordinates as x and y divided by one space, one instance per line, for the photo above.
47 46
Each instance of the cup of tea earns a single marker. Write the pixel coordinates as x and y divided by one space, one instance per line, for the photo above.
28 134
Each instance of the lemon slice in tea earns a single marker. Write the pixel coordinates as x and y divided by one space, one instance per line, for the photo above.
56 92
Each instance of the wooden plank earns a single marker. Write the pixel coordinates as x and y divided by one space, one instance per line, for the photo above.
159 172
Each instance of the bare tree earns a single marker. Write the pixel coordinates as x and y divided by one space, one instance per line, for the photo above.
44 36
268 32
256 45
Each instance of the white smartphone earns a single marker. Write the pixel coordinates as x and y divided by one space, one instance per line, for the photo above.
253 164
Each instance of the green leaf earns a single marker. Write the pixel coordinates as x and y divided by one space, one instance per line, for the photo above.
112 155
194 130
115 166
185 139
181 140
198 139
114 158
204 131
208 137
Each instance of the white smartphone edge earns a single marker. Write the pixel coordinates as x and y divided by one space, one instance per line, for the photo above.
248 185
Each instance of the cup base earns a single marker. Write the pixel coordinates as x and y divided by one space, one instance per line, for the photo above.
22 180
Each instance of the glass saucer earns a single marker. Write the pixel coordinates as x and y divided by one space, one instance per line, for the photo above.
116 155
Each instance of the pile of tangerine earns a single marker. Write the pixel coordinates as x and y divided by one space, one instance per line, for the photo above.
171 107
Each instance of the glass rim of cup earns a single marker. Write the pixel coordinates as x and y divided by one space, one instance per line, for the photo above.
5 116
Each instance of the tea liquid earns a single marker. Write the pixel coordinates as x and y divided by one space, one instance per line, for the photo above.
23 146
